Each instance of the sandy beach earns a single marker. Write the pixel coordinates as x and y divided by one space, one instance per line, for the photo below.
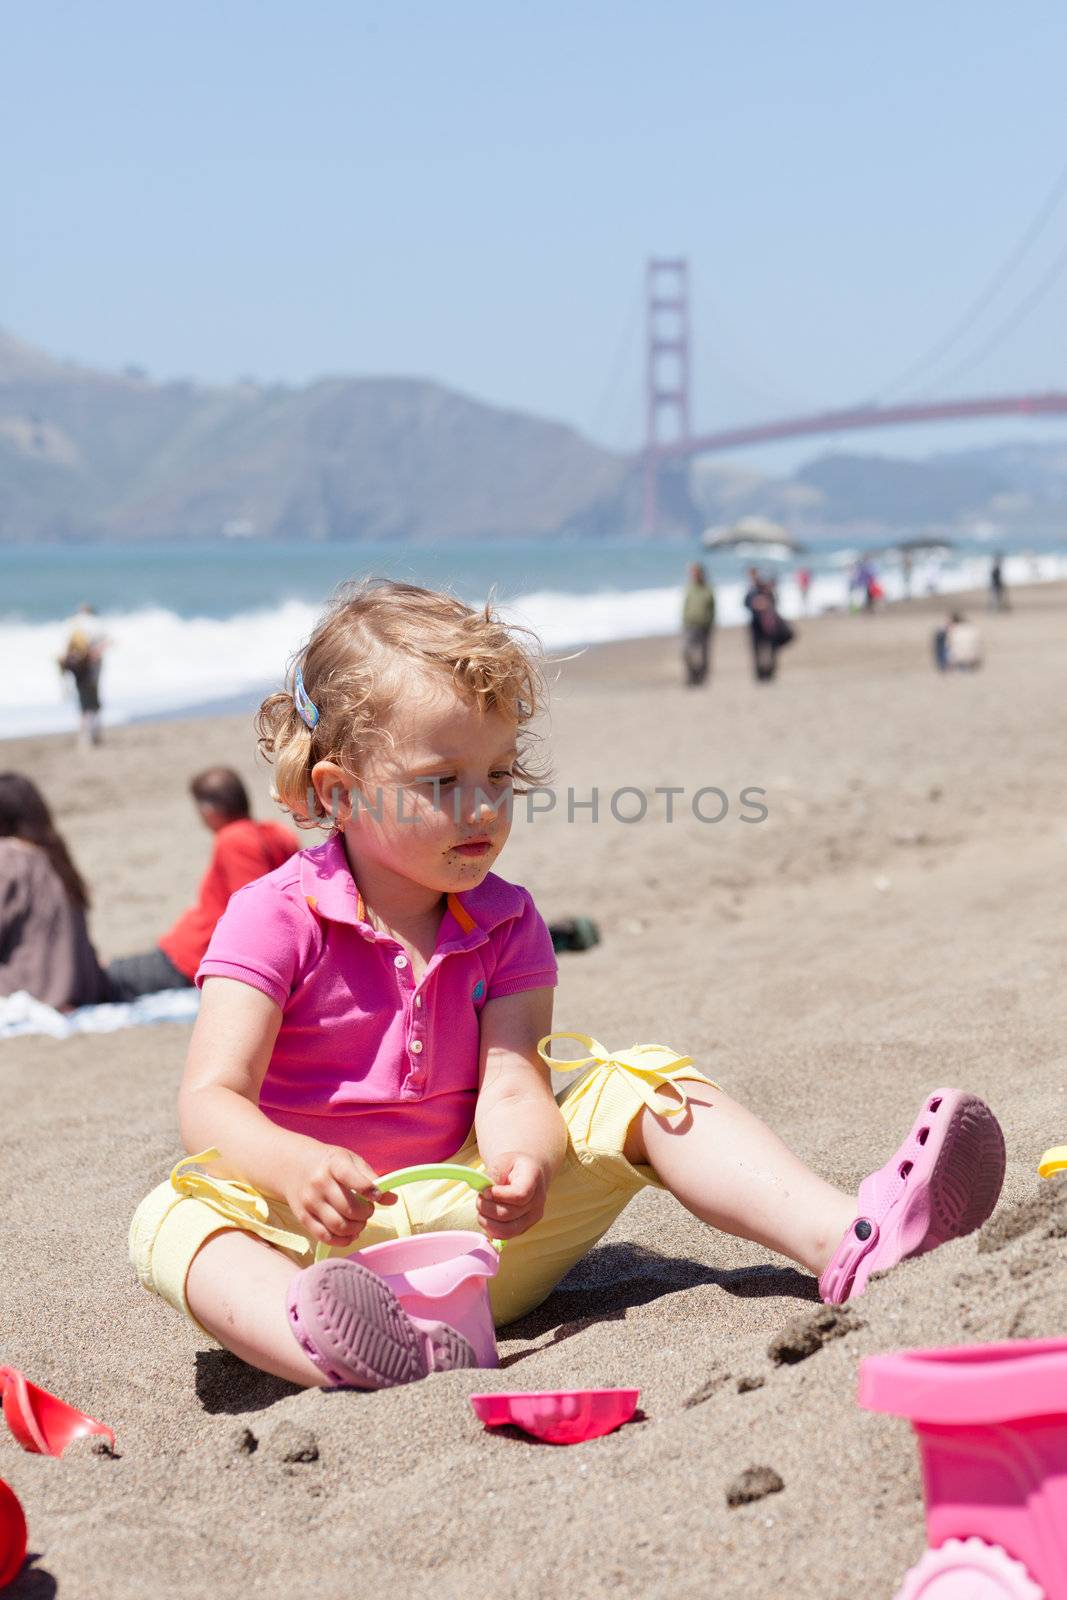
895 923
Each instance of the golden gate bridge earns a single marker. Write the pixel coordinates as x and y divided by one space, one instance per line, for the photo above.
669 436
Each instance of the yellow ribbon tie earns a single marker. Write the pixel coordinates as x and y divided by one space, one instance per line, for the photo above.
644 1066
236 1201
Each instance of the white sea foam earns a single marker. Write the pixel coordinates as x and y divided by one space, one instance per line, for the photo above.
159 662
156 662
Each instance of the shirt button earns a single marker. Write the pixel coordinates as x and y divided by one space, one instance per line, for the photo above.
416 1047
400 961
418 999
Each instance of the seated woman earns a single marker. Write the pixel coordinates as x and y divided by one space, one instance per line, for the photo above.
44 940
963 645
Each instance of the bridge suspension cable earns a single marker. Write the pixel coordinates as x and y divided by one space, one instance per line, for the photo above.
931 357
1009 324
607 410
729 358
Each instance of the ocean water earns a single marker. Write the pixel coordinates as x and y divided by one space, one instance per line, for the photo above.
197 624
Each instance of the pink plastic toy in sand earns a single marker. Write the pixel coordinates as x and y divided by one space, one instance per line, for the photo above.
41 1422
12 1535
440 1277
559 1416
991 1421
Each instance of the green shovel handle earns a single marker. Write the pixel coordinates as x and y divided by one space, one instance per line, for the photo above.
448 1170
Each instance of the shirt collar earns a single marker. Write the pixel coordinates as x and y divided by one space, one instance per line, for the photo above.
327 884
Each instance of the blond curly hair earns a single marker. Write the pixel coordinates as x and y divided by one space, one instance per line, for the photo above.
360 655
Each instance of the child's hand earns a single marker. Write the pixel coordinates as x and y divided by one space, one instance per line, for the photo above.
517 1198
332 1193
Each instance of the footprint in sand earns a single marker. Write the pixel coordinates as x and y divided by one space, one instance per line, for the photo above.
804 1335
292 1445
755 1483
716 1380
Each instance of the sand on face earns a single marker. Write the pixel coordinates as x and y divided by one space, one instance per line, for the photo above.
896 923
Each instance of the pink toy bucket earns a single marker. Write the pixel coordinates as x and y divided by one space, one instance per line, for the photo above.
991 1422
442 1277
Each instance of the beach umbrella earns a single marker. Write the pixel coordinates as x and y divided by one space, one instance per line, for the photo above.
754 536
911 547
927 546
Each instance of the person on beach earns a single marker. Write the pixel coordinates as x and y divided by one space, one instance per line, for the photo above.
83 659
698 620
803 577
940 644
906 574
963 644
769 629
857 585
998 589
957 645
385 999
864 584
44 941
244 849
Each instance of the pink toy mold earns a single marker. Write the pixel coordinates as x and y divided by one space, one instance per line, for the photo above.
442 1277
559 1416
991 1421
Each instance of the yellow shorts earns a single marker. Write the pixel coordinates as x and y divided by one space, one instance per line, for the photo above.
592 1187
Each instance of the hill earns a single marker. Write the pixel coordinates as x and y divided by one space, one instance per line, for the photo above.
89 455
1018 487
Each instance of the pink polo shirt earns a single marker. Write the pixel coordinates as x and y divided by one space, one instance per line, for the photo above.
365 1057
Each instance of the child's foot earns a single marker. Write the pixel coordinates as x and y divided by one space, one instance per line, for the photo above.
349 1322
943 1182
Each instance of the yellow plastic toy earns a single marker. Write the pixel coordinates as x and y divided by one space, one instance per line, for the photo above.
1054 1160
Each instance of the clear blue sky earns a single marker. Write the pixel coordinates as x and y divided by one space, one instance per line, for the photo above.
468 192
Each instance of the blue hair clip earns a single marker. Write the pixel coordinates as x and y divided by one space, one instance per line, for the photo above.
306 707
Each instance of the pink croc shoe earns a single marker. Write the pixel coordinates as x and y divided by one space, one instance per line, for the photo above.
943 1182
349 1322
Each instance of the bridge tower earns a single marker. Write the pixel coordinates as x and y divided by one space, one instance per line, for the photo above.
666 370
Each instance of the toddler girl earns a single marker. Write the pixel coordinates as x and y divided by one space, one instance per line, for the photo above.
383 999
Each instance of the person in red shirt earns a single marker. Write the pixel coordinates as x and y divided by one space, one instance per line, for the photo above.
244 850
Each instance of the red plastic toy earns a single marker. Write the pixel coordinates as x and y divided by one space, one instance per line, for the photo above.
991 1421
12 1535
565 1416
41 1422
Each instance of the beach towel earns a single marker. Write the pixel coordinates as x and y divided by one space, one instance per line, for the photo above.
20 1013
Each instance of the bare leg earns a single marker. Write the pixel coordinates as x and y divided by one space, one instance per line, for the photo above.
730 1170
236 1289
